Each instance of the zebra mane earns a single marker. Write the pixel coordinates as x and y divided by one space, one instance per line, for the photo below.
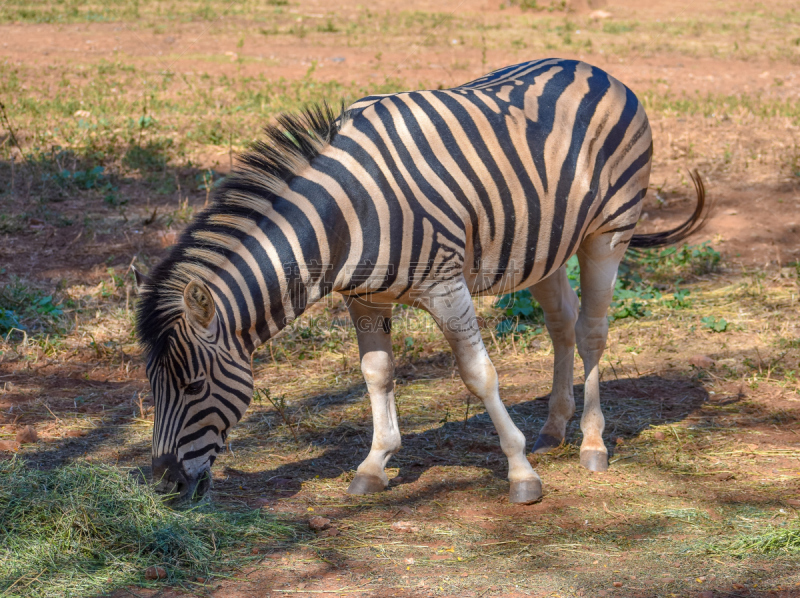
260 175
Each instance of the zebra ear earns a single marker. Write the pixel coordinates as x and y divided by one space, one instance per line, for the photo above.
200 308
141 279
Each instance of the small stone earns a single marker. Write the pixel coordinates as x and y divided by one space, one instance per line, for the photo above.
9 445
659 435
318 523
27 435
599 14
404 526
155 572
702 362
398 480
617 584
200 579
331 532
75 433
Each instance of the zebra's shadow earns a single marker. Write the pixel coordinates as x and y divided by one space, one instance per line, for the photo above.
630 406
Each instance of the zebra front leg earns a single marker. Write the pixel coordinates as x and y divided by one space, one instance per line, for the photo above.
451 306
560 305
373 329
599 259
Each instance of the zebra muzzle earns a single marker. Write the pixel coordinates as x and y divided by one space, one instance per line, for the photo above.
170 478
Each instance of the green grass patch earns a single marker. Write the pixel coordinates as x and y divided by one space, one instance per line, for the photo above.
721 106
98 11
73 146
86 529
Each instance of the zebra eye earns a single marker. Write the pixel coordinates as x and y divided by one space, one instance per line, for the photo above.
194 388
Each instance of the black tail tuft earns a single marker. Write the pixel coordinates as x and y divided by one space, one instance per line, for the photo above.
674 235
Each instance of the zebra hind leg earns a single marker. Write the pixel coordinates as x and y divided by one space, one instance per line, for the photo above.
453 310
560 305
372 323
599 259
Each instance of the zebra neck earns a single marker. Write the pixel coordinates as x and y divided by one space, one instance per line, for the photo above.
297 260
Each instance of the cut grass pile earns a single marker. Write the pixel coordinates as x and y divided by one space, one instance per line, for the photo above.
774 540
84 529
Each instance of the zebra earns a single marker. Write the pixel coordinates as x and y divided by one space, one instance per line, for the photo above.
424 198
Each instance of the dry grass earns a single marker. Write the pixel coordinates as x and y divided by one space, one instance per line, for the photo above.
87 528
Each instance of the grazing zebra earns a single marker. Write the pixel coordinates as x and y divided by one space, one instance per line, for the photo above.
423 198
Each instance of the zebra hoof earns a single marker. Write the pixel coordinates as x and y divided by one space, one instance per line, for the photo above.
525 492
365 484
546 443
594 460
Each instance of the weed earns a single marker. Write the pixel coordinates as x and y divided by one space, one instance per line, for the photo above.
520 304
618 27
208 180
714 324
688 259
149 157
82 179
629 307
680 300
24 305
9 321
632 295
526 4
279 403
328 27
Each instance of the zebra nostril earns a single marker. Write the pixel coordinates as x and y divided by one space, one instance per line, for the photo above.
168 476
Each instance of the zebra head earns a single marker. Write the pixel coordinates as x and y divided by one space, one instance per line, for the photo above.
201 388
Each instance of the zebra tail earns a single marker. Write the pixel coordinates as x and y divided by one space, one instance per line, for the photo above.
674 235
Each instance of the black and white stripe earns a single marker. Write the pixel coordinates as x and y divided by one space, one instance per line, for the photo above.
498 180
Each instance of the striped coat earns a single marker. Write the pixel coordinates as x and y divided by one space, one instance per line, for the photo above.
480 189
